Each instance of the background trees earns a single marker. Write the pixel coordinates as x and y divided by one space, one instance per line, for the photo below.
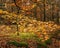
44 10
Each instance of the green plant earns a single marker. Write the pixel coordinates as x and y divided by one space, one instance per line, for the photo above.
20 44
48 42
41 45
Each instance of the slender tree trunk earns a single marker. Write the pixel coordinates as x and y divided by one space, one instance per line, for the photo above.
44 11
17 17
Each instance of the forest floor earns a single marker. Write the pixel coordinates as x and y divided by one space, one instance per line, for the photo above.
27 37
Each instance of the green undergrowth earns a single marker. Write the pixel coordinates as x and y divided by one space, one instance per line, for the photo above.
25 36
25 44
44 45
